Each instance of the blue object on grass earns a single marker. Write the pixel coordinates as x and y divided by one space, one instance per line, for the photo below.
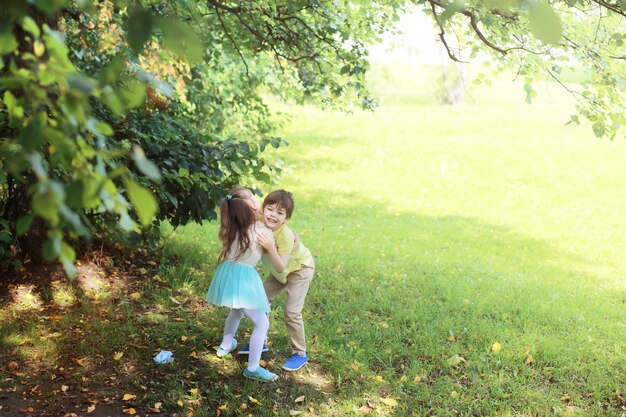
164 356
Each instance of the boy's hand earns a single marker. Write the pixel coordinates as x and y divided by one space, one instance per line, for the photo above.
266 240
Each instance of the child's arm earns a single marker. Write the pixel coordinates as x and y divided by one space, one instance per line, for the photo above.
296 242
279 261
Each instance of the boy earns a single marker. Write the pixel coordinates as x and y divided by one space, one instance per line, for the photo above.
294 274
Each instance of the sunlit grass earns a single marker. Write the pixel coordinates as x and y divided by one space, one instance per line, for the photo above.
439 231
26 299
63 295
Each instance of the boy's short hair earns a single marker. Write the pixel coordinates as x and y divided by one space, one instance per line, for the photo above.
282 199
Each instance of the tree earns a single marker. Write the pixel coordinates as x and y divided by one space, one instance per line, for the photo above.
131 112
82 147
545 39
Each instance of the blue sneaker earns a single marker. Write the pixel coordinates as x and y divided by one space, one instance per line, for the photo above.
223 352
295 362
246 349
261 374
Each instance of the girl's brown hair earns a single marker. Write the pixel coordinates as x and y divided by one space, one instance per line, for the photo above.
236 218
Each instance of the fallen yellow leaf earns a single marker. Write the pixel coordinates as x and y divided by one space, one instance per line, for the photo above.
254 400
496 347
130 411
391 402
243 406
294 412
455 360
417 379
91 408
529 359
379 378
64 388
118 356
128 397
135 296
299 399
180 403
223 407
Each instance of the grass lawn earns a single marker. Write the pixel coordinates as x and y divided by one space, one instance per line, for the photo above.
470 262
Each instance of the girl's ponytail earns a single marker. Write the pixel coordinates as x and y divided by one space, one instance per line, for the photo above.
236 218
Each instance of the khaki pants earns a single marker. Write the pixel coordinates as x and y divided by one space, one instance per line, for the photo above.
297 287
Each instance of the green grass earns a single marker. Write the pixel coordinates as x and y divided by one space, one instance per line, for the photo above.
439 231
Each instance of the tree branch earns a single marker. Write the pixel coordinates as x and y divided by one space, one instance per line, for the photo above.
442 34
243 58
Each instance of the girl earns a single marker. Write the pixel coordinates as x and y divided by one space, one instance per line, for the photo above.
236 284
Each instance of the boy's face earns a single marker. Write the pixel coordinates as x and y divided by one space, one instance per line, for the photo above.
274 216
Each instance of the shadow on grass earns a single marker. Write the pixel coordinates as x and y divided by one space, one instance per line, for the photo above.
402 296
402 318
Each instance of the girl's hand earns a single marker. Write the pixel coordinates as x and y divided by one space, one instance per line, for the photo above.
296 242
266 240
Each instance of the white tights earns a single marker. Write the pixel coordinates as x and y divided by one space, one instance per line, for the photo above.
259 333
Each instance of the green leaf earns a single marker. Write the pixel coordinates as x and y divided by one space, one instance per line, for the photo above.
72 218
599 129
139 28
111 71
55 45
15 110
31 27
31 137
145 165
132 94
126 223
67 256
143 201
46 201
81 82
453 8
98 128
181 39
544 23
112 101
50 6
23 224
51 248
8 43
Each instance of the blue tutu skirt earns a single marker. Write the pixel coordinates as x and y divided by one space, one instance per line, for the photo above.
238 285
